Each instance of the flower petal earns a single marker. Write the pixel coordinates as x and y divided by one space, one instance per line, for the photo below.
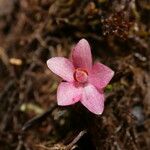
81 55
62 67
93 100
68 94
100 75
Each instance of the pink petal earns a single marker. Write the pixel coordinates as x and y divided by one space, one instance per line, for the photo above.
81 55
62 67
93 100
100 75
68 94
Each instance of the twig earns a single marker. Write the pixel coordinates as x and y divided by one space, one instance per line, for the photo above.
31 123
79 136
37 119
7 88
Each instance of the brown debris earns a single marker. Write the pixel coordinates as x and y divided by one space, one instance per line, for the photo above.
31 31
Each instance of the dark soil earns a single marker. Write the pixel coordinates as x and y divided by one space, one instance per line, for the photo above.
31 32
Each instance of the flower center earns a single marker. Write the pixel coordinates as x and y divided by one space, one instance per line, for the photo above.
81 75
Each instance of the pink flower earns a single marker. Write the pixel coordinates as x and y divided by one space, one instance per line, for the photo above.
83 81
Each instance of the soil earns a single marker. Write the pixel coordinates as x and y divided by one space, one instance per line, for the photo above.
31 32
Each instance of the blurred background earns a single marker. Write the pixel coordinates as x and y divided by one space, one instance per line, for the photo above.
31 32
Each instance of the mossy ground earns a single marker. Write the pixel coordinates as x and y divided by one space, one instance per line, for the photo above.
32 31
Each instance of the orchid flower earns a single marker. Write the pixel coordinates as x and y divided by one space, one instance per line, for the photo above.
82 81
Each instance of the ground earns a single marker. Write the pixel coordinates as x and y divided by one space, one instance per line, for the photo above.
31 32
